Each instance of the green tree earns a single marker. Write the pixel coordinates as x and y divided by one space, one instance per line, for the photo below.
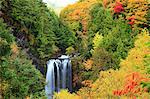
18 76
38 29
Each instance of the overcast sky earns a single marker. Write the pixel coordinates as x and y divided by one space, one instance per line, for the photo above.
59 3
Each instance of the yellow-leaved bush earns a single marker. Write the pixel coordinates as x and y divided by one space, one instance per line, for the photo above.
64 94
97 40
88 64
111 80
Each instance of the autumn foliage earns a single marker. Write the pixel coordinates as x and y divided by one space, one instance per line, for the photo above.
108 42
130 8
78 12
118 8
125 82
132 85
77 17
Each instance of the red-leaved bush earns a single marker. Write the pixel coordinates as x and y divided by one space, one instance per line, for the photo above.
118 8
132 85
131 20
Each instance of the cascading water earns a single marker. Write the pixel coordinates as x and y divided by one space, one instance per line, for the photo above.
59 75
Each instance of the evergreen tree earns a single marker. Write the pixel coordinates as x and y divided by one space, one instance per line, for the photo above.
18 76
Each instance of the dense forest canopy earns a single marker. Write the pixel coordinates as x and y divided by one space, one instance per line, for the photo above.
108 42
37 29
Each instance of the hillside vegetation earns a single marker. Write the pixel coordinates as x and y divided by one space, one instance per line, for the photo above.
108 41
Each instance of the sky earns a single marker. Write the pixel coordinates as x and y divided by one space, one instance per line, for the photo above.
59 3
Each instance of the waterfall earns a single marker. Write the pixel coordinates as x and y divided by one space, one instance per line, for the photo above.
70 76
64 72
49 88
59 75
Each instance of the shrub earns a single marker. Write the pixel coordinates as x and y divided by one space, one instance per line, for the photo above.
64 93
